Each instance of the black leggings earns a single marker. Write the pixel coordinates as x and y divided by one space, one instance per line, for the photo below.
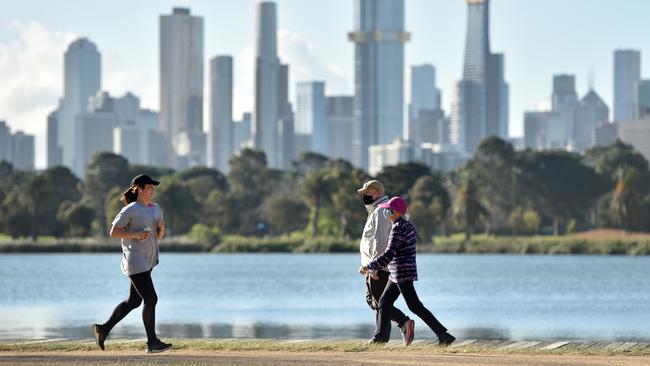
141 290
391 293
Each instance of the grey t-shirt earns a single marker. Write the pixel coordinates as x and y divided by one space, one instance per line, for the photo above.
139 255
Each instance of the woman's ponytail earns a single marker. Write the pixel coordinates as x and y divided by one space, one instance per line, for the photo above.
130 195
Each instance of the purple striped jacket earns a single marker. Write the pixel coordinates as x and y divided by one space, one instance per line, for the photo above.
399 256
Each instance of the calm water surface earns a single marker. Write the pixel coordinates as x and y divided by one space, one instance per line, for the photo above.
321 296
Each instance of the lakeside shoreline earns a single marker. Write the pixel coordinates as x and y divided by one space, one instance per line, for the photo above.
587 244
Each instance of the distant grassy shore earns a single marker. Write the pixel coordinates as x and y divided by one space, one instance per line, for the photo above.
598 242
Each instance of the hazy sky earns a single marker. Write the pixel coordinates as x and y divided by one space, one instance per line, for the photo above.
539 38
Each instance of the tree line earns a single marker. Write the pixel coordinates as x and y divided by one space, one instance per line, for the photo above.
499 191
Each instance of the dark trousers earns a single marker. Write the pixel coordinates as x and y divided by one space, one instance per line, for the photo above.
141 290
374 290
391 293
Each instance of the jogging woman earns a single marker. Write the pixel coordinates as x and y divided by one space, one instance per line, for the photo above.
140 225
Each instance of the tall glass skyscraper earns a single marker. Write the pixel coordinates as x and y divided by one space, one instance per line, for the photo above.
264 128
482 95
379 39
220 129
181 85
627 74
82 80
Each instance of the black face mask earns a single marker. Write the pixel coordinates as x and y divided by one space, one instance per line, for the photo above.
368 200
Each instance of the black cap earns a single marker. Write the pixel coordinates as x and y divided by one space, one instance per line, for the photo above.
142 179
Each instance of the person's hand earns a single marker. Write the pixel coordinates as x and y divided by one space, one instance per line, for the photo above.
143 235
363 270
161 224
374 275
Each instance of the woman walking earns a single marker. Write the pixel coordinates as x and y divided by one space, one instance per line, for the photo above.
400 259
140 225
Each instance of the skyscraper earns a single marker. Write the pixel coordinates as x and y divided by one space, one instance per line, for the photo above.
340 119
643 99
564 102
311 114
627 74
286 130
23 151
54 151
5 142
181 85
379 39
591 112
481 108
424 93
82 80
264 128
220 129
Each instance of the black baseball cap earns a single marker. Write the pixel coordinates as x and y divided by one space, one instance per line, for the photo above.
142 179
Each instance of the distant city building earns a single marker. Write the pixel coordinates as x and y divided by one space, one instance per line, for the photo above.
22 151
311 116
340 119
564 102
590 113
441 157
627 74
380 156
427 127
264 127
242 133
644 98
480 106
424 93
5 143
181 86
81 81
220 128
54 150
379 39
545 131
637 134
286 121
606 134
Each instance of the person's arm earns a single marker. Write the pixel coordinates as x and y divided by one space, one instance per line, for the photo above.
383 260
161 228
121 233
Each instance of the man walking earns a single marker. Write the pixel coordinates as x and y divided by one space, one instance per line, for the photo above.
374 241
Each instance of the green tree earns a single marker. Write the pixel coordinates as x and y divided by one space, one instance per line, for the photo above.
494 166
316 190
398 179
627 209
179 207
346 203
219 210
104 172
285 214
113 205
429 202
250 184
559 185
468 208
309 162
76 217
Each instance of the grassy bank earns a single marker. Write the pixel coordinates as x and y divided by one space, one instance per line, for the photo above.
601 242
240 345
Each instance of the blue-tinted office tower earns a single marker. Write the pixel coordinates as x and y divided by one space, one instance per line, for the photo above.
379 39
482 94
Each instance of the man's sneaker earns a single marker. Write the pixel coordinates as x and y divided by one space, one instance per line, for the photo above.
375 341
100 335
158 346
446 339
408 331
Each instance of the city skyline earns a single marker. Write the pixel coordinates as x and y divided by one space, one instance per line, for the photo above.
296 39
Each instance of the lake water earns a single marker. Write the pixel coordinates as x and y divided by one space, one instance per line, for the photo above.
322 296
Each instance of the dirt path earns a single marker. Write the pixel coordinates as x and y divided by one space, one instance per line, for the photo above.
258 358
